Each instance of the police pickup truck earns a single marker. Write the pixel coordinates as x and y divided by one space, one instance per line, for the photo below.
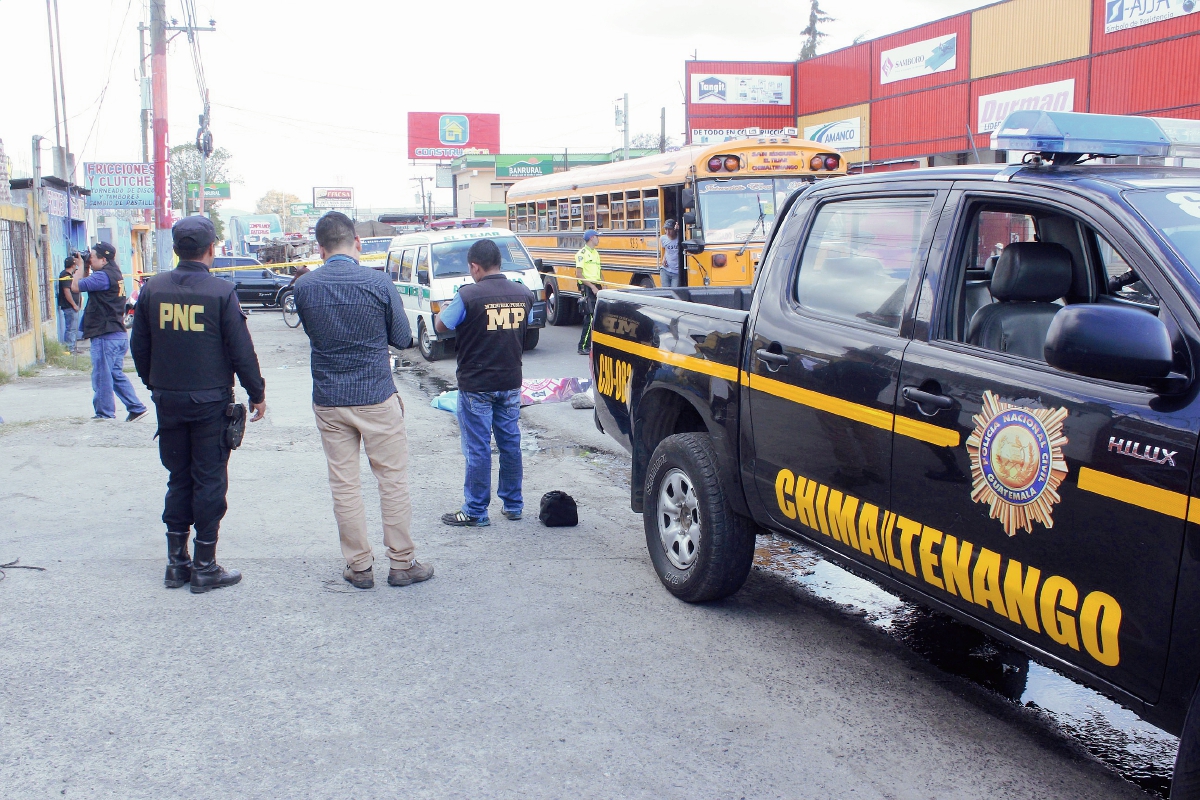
977 386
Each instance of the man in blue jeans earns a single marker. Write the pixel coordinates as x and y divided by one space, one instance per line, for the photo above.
104 327
489 318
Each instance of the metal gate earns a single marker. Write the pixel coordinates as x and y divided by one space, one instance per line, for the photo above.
14 265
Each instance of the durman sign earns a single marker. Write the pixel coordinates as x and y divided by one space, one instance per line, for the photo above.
993 108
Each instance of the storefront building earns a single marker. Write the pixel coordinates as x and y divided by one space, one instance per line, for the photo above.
933 94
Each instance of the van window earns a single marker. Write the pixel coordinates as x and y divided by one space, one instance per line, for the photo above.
406 265
450 258
423 265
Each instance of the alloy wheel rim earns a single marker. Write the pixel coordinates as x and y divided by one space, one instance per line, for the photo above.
679 528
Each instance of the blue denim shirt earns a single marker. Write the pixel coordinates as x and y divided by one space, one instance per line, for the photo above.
351 314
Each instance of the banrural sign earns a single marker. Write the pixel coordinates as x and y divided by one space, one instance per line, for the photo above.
844 134
922 58
1121 15
212 191
523 166
119 185
993 108
745 90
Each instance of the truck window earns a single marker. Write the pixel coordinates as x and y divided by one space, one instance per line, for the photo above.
859 257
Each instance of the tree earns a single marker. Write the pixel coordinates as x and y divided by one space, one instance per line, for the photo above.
649 141
277 202
812 33
185 166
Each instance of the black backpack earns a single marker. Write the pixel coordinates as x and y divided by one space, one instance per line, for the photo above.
558 510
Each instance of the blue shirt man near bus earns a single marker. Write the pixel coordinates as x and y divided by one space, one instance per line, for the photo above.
489 318
104 327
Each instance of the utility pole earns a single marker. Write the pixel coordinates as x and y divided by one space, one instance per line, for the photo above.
625 116
162 190
145 84
62 96
53 78
662 133
425 213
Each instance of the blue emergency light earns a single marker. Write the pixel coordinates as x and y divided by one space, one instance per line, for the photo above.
1066 132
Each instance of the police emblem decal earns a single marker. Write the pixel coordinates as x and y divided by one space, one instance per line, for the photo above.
1017 462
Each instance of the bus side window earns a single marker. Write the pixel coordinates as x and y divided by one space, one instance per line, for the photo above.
602 218
618 212
650 209
564 214
633 210
541 215
576 214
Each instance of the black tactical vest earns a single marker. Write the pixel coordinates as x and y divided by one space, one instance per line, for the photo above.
105 311
491 337
185 309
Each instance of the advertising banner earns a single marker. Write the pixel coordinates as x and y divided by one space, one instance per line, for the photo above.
212 191
719 135
303 210
742 90
119 185
1121 15
844 134
993 108
333 197
56 203
433 135
523 166
258 229
921 58
443 176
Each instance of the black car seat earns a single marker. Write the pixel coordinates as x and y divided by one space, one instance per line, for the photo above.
1029 277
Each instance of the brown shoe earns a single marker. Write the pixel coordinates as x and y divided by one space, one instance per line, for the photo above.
360 580
416 573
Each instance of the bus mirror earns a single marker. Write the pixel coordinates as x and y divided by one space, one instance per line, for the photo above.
689 198
537 262
689 218
695 245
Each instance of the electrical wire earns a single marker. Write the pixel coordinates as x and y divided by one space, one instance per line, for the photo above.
107 78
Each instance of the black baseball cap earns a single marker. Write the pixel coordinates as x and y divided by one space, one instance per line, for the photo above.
193 233
105 250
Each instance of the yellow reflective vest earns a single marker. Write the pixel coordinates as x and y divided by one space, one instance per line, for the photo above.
587 264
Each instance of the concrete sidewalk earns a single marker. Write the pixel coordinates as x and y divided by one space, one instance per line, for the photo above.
537 663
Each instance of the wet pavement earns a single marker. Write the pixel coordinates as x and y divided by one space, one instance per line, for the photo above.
1138 751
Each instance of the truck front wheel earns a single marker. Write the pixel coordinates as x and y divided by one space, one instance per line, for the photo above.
1185 782
700 548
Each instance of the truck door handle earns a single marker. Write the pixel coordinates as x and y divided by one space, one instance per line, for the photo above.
771 358
915 395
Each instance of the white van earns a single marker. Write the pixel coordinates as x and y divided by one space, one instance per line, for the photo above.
426 291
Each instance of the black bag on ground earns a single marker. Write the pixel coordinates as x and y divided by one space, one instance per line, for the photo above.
235 425
558 510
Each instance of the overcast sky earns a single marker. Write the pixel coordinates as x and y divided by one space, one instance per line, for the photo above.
316 93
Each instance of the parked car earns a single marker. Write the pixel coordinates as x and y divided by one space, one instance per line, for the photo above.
256 285
1007 437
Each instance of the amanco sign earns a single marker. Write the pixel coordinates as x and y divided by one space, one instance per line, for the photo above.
993 108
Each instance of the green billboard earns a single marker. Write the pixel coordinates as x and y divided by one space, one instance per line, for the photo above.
524 166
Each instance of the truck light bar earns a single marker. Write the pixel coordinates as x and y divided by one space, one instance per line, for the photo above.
1053 132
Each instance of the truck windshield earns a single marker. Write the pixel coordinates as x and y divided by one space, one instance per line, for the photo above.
1174 212
450 258
729 210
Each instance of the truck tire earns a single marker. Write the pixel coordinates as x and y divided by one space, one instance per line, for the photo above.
1185 782
531 338
700 548
559 310
430 348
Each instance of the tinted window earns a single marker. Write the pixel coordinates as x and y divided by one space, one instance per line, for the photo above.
859 256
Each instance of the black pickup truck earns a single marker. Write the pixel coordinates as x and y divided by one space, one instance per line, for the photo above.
978 387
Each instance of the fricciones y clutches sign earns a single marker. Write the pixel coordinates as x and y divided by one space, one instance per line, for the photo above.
119 185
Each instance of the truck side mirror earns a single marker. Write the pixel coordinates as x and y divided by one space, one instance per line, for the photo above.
689 218
537 262
1112 343
689 198
694 245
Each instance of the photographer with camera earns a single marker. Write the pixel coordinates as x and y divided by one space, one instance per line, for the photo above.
189 338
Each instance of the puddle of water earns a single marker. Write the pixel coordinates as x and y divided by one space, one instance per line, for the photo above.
431 385
1138 751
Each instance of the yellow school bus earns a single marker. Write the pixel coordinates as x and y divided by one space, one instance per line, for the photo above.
722 197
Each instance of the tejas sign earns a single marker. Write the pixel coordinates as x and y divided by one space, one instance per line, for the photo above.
844 134
922 58
742 90
1122 14
119 185
432 135
333 197
993 108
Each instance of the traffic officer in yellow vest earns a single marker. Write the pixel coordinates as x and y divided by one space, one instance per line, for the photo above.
189 338
587 266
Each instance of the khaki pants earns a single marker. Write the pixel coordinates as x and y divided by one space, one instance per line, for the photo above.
380 428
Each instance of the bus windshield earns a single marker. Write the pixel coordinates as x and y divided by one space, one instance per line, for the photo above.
450 258
376 245
729 210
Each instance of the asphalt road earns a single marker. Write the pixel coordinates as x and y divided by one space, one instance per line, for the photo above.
536 663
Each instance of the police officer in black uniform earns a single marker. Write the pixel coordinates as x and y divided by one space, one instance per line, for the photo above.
189 338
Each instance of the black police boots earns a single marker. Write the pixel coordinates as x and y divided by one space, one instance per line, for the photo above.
207 574
179 563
